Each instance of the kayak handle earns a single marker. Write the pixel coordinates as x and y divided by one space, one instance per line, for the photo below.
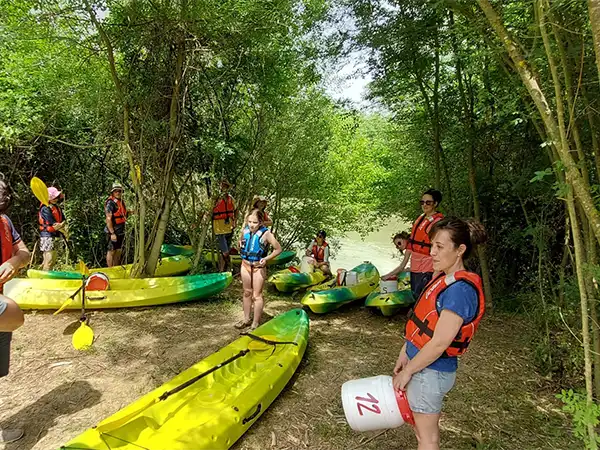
252 416
102 297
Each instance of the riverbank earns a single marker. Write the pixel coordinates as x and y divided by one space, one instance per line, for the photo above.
55 392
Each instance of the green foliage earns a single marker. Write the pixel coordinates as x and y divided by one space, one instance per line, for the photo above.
583 414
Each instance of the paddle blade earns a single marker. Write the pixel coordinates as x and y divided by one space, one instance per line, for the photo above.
39 190
105 427
63 306
83 269
83 337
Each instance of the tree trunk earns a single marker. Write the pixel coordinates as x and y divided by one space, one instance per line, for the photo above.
594 9
585 326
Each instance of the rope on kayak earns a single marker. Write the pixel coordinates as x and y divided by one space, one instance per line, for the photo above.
122 440
267 341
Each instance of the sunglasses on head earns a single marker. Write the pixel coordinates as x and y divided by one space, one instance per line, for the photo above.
427 202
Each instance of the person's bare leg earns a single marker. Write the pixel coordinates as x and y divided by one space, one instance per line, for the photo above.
110 258
247 298
48 262
427 430
117 258
259 282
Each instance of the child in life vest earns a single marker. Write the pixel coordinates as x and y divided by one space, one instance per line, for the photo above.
254 244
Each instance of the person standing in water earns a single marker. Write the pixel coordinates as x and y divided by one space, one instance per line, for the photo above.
440 326
116 216
51 221
419 245
223 224
318 249
254 243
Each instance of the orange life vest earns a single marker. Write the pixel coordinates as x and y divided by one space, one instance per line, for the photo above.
423 317
319 252
419 237
56 213
6 243
224 209
120 215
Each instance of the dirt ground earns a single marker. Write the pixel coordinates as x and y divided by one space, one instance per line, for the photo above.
55 392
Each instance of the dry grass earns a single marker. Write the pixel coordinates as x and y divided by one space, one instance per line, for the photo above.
55 392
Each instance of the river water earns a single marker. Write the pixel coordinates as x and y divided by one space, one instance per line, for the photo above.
376 247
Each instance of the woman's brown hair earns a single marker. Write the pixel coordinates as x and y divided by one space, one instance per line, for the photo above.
258 213
468 232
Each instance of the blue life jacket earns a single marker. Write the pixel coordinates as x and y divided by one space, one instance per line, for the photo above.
253 249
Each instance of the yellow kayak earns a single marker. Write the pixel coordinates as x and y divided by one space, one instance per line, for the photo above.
213 403
31 293
287 281
166 267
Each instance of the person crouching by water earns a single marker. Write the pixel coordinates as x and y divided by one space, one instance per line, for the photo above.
440 326
419 245
318 249
14 255
254 244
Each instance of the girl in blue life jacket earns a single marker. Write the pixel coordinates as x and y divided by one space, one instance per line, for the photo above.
254 245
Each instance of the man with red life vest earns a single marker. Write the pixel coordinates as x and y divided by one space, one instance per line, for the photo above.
51 221
318 249
440 326
14 255
419 245
223 218
116 216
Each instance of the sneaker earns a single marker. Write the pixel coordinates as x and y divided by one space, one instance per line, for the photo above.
10 435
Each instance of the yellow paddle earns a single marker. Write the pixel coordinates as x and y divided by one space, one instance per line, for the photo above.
40 190
83 338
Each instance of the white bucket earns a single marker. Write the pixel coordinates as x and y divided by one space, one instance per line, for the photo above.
351 278
388 286
374 404
306 265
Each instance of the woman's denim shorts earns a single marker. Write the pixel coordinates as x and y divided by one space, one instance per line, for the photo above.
426 390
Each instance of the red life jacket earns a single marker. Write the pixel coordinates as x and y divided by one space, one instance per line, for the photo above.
120 215
419 237
6 243
319 252
56 213
224 209
424 316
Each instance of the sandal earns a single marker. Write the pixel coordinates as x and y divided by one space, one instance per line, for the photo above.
253 327
242 324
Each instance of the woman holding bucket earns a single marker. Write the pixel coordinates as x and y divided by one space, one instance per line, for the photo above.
440 326
418 245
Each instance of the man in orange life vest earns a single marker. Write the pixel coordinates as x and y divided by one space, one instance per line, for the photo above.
224 224
116 216
51 221
14 255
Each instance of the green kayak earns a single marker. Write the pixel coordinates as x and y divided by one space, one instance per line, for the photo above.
187 250
323 298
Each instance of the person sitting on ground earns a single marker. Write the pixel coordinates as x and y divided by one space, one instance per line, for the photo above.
14 255
51 221
260 202
254 243
318 249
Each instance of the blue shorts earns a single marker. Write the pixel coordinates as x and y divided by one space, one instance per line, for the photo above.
224 242
418 281
426 390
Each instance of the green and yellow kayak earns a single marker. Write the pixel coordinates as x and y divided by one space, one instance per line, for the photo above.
188 250
390 303
325 298
287 281
224 395
32 293
166 267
